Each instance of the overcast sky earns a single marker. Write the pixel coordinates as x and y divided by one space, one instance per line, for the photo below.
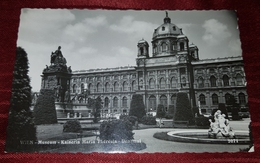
108 38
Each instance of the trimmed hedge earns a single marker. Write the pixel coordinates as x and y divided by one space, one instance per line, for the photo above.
72 126
183 108
44 109
137 107
202 121
116 130
160 111
148 120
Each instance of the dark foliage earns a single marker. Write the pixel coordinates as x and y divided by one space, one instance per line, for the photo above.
20 120
171 109
148 120
96 106
131 119
44 109
168 116
72 126
235 115
202 121
183 108
223 109
196 111
160 111
137 107
116 130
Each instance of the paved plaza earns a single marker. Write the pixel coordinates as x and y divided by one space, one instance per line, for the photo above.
156 145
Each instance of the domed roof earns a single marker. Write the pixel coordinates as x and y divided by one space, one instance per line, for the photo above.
167 29
142 41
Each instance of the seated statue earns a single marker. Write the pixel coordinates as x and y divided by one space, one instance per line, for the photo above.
57 57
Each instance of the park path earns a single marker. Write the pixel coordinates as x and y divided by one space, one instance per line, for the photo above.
156 145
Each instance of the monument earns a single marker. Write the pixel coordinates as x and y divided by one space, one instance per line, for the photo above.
219 127
57 76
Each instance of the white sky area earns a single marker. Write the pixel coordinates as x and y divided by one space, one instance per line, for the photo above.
92 39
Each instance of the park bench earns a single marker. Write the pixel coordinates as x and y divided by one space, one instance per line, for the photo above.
180 123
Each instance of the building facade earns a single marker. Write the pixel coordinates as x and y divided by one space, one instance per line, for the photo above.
172 66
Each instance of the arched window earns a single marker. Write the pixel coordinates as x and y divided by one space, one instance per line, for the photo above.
163 28
163 100
91 88
141 50
99 87
164 47
116 87
226 80
106 102
239 79
242 98
152 103
107 87
214 99
183 81
151 84
213 81
141 84
115 102
173 82
181 46
82 88
134 86
173 99
202 99
201 82
125 86
74 88
227 97
162 83
124 102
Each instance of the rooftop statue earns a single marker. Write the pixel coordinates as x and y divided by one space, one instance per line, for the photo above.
220 126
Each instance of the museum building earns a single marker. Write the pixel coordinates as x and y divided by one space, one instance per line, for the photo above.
173 66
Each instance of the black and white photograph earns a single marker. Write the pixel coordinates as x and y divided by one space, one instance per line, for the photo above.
118 81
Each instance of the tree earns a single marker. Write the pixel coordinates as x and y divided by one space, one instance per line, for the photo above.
96 106
223 109
44 109
20 120
234 107
160 113
137 107
183 108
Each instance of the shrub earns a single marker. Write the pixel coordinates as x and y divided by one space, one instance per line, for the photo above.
20 118
234 113
44 109
137 107
202 121
160 111
116 130
168 116
183 108
131 119
72 126
171 109
148 120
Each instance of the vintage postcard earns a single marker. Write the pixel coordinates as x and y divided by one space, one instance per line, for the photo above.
128 81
